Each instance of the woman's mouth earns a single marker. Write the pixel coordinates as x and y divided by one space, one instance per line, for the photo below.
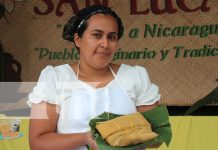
104 53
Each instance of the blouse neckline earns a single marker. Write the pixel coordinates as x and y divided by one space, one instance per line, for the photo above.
100 88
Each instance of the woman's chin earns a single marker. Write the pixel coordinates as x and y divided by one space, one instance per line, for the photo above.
102 65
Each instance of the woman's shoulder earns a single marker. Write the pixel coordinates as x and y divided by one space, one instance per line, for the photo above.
61 72
129 69
132 75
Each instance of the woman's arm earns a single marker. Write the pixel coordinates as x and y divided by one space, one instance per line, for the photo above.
42 131
144 108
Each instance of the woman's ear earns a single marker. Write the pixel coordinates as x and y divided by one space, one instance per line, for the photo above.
77 39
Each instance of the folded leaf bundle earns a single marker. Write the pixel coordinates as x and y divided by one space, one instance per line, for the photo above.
126 130
158 118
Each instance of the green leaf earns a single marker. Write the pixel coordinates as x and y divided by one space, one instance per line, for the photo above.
211 98
158 118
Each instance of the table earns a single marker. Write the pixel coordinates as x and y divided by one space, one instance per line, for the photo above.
189 133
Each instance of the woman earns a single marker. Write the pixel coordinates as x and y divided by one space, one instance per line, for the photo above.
68 96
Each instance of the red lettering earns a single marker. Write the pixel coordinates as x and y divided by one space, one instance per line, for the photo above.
73 3
97 2
204 7
50 7
181 4
168 7
155 8
133 9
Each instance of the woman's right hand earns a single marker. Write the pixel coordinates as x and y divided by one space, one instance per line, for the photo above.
91 141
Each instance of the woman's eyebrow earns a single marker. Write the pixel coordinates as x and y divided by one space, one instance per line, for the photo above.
113 33
97 30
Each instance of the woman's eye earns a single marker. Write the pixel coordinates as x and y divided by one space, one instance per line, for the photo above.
97 35
112 37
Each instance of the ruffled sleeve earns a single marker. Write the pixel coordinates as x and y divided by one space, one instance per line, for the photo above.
45 90
146 92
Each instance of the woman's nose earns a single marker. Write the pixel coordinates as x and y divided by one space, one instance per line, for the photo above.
104 42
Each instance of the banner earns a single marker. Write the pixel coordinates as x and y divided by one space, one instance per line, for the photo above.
176 41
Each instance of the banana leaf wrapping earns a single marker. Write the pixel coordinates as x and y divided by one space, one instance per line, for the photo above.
157 117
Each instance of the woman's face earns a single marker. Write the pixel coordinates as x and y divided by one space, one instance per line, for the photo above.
99 41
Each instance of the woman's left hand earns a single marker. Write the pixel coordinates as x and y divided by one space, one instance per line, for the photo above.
91 141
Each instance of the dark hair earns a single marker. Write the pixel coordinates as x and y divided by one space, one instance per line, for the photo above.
77 24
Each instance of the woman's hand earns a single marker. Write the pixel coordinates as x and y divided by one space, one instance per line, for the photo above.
91 141
155 145
151 146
